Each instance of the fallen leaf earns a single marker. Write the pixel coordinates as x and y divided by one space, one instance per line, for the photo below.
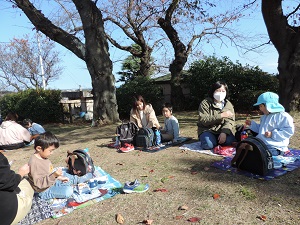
194 172
161 190
216 196
178 217
194 219
148 222
183 207
262 217
119 218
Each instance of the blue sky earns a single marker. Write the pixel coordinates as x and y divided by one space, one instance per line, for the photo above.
75 73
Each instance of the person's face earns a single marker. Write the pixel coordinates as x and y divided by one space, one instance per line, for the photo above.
263 109
140 105
221 89
46 153
166 112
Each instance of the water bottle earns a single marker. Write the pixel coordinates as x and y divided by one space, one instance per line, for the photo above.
244 135
157 137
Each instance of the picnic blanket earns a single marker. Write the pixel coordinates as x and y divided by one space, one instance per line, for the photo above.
289 162
164 146
54 208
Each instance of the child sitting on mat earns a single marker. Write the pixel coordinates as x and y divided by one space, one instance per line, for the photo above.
44 180
170 132
276 126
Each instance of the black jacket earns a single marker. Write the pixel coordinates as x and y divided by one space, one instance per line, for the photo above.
9 182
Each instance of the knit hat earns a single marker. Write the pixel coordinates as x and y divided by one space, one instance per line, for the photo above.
270 99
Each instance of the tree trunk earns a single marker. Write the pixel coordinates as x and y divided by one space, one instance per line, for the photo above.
286 40
94 52
180 53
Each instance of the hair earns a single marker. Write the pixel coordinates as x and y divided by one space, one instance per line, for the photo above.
27 121
168 106
45 140
12 116
136 99
216 86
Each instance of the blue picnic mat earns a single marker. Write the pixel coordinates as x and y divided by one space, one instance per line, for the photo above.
225 165
54 208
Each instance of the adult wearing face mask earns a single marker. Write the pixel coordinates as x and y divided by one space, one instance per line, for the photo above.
216 123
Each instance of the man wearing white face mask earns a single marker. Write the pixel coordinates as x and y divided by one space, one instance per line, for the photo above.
216 124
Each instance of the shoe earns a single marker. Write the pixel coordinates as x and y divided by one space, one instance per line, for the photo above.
127 148
135 186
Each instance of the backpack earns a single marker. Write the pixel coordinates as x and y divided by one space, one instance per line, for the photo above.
252 155
126 132
79 163
144 138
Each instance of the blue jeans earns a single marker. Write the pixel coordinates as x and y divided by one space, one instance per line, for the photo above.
209 140
64 189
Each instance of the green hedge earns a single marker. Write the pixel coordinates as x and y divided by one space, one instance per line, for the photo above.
41 106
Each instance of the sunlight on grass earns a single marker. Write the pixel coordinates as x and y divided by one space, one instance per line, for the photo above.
247 193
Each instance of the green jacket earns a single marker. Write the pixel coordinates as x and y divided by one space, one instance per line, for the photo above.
210 118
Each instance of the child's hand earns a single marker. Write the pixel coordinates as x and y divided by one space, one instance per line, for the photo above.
58 172
248 122
268 134
63 179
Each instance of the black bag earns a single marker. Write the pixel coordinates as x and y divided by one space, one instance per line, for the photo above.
252 155
126 132
79 163
144 138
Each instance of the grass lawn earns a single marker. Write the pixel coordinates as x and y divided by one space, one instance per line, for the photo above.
242 200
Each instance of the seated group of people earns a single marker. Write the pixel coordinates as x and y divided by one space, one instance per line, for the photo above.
216 123
14 136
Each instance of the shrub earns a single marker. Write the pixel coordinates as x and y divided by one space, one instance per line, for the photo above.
39 105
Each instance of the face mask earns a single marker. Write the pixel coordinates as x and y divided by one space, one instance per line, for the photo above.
220 96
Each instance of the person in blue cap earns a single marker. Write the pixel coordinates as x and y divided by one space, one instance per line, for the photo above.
276 126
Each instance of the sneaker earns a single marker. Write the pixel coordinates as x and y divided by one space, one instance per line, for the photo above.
135 186
127 148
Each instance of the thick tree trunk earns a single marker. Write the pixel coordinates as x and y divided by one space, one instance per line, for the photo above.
286 40
94 52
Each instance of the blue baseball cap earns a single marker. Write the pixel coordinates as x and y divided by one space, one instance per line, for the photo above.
271 100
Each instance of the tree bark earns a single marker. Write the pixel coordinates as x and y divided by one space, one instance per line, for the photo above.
180 53
286 40
94 52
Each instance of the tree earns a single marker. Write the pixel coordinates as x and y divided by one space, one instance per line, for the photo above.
209 24
286 39
135 19
131 67
20 66
94 51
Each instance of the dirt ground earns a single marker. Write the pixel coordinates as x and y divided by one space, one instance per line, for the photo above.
187 176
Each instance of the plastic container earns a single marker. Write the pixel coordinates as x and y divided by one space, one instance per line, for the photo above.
157 137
